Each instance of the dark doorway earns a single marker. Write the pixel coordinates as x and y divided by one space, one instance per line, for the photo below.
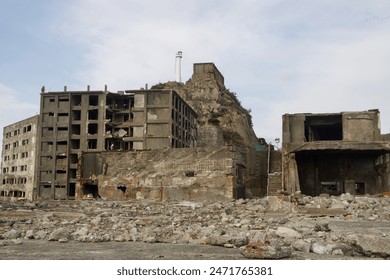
360 188
91 190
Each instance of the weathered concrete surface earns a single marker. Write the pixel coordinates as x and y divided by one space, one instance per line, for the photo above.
361 230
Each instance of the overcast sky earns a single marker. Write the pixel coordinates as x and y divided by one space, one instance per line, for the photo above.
280 57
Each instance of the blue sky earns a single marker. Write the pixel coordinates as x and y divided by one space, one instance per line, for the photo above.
279 56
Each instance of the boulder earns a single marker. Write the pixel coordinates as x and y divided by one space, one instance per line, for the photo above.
287 233
370 244
321 249
301 245
265 251
59 233
12 234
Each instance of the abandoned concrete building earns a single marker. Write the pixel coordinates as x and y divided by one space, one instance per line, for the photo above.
76 122
18 160
335 153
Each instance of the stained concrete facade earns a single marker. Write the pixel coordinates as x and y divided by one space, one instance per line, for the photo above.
335 153
203 173
19 160
73 122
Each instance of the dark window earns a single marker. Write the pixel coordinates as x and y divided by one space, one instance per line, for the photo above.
93 114
76 115
93 100
323 128
92 128
92 144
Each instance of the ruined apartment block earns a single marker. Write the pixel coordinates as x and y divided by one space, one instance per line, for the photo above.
18 160
74 122
335 153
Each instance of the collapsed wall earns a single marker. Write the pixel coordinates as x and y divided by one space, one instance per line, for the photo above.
203 173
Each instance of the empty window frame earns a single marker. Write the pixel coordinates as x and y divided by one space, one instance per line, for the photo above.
93 114
75 144
324 128
92 128
92 144
76 129
76 100
93 100
76 115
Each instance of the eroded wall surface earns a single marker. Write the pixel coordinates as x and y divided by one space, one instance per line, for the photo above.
169 174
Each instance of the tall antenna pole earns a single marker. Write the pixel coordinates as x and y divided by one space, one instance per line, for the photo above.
179 55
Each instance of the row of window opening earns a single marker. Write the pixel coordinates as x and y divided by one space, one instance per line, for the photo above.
16 132
15 181
13 193
16 156
16 144
14 169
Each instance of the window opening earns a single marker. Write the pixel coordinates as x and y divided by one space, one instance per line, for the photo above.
323 128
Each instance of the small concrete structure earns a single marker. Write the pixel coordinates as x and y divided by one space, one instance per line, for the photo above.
335 153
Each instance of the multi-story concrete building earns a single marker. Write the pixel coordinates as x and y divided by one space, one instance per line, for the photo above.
73 122
19 160
335 153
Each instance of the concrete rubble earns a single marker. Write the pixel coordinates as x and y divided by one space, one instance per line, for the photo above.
267 228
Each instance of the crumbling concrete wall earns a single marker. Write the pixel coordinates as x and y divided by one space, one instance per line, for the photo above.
170 174
361 126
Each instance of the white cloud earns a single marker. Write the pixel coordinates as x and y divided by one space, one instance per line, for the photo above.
12 108
280 57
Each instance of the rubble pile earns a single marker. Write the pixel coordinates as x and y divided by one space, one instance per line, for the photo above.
267 228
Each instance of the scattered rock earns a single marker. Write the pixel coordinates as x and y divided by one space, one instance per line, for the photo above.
60 233
321 249
265 251
369 245
324 225
12 234
287 233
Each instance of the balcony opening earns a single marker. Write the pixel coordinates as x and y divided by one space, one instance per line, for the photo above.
93 114
76 115
93 128
92 144
76 100
75 144
76 129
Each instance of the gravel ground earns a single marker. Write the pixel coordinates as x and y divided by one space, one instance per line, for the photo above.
343 227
